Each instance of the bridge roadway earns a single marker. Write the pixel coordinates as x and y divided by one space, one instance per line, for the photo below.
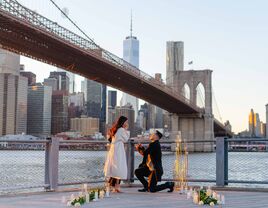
27 33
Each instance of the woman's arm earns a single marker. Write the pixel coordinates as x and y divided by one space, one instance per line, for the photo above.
123 134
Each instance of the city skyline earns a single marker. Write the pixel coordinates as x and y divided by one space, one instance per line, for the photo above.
200 34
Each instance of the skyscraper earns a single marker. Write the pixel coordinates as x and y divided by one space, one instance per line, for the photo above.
9 62
13 95
96 102
254 124
52 82
76 103
93 98
59 118
85 125
72 86
112 98
39 110
83 86
251 123
131 55
62 80
29 75
143 117
104 109
174 60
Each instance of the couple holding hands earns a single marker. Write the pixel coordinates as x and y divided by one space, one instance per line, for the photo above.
115 167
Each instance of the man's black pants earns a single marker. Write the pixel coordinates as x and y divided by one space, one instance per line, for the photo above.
151 185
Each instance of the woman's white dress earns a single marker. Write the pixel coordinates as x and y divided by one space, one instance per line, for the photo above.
116 162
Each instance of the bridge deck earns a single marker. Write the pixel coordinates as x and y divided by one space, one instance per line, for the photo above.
132 199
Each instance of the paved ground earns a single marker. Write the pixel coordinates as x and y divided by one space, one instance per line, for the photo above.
132 199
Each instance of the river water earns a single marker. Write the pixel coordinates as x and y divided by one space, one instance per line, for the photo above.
27 168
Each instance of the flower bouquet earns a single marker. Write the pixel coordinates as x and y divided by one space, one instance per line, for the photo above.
77 201
91 195
207 198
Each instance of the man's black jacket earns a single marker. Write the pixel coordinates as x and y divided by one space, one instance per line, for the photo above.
154 149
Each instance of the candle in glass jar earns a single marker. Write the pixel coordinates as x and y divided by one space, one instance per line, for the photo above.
87 198
96 195
218 197
181 189
101 194
222 199
72 196
85 187
188 195
195 198
107 194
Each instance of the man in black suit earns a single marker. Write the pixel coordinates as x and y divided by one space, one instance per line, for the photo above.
151 166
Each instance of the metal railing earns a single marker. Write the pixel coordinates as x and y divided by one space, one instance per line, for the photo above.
56 31
237 163
52 163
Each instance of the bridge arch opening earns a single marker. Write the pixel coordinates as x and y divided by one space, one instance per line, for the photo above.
200 95
186 92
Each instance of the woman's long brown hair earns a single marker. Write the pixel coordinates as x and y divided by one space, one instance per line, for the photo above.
118 124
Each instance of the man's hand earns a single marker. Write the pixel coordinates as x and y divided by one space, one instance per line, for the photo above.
139 148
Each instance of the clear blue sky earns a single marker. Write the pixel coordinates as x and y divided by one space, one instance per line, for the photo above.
229 37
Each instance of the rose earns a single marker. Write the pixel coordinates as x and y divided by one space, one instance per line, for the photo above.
201 203
211 204
209 192
77 204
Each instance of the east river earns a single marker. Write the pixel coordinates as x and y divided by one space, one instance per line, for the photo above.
27 168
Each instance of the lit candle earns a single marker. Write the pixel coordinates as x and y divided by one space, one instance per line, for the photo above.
186 189
218 197
222 199
191 191
85 187
107 194
188 195
214 195
96 195
195 198
72 197
101 194
87 197
181 189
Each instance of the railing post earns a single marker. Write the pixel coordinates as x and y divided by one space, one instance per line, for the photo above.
130 161
221 161
47 146
52 164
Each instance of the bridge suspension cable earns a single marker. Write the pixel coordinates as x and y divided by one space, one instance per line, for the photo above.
90 39
218 113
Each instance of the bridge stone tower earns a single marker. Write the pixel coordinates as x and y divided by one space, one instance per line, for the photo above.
195 127
192 127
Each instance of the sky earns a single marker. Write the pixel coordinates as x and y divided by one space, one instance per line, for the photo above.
228 37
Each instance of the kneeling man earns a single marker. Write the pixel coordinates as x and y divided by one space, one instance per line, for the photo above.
151 166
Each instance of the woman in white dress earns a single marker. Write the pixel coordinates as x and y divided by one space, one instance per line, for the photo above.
115 167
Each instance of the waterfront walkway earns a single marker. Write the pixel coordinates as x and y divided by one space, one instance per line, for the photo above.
132 199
